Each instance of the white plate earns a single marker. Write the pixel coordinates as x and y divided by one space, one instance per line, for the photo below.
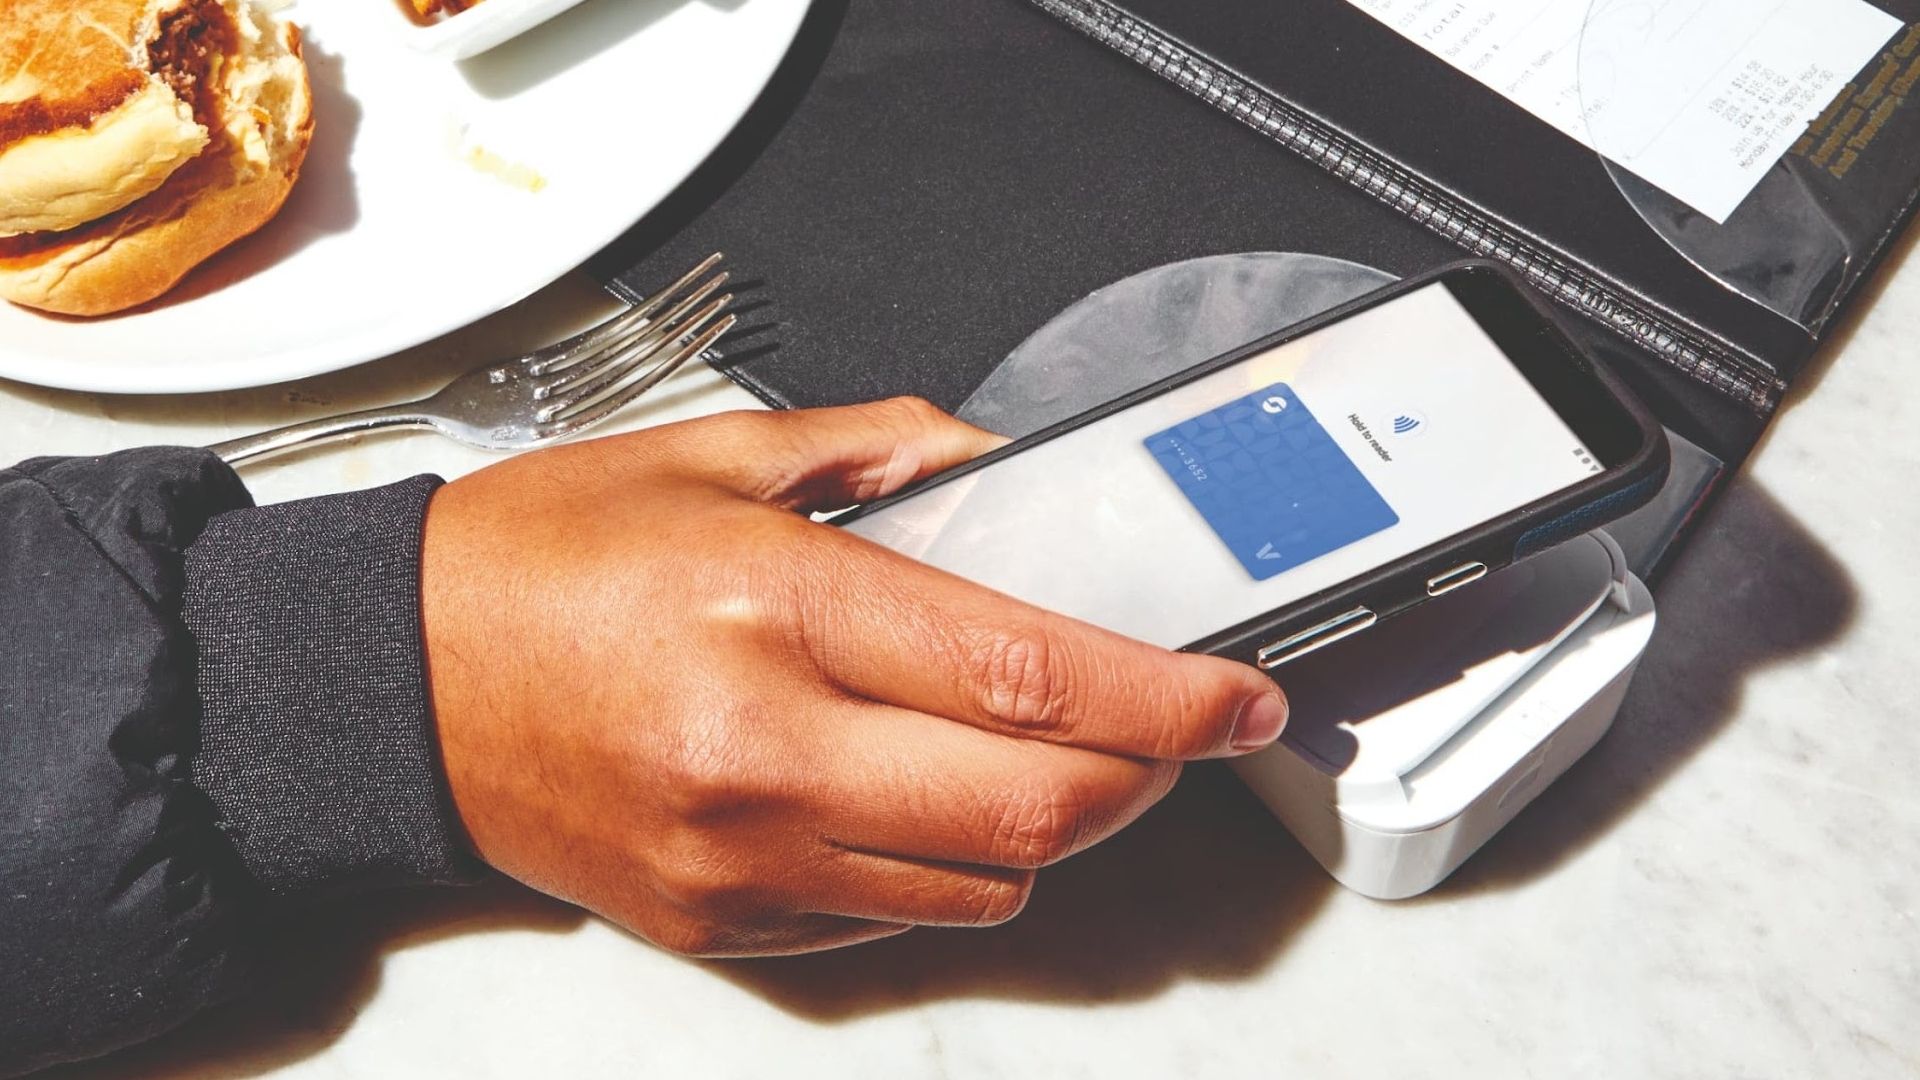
435 192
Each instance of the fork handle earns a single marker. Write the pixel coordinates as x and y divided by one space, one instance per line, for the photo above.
280 440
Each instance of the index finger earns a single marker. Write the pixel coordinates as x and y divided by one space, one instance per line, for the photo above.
926 640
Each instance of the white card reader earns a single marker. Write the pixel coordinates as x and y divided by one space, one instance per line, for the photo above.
1411 745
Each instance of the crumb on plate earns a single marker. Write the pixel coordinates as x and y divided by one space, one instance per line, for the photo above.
511 173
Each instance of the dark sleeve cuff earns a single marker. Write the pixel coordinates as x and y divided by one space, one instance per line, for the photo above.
316 742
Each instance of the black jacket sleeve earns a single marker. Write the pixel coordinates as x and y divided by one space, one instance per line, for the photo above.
211 716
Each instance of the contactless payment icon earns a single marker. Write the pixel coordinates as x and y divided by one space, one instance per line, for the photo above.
1270 481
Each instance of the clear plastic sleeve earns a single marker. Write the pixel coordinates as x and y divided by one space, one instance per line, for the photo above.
1157 323
1798 241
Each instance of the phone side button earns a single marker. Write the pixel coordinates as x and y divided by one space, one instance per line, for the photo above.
1316 637
1459 576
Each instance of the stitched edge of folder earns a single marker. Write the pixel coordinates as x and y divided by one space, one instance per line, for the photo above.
1594 296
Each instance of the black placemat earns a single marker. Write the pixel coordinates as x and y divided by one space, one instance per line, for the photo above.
925 182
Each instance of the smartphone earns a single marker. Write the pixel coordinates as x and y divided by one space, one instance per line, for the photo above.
1300 489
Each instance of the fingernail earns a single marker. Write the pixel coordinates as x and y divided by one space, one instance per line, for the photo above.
1260 722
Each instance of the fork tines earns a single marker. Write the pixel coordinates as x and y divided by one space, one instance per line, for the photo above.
601 371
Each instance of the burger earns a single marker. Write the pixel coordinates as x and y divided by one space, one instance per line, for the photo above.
138 138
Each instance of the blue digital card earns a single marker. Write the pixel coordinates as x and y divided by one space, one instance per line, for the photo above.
1271 482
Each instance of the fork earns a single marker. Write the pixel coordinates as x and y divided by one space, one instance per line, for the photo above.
550 394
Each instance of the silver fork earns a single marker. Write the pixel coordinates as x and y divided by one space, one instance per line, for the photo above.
550 394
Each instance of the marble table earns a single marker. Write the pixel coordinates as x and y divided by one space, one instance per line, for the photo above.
1727 886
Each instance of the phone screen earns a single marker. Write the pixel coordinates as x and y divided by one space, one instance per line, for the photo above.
1257 485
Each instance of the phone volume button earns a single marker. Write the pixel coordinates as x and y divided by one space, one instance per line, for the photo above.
1335 629
1458 577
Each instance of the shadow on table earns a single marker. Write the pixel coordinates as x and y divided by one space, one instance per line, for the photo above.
1206 886
318 977
1754 589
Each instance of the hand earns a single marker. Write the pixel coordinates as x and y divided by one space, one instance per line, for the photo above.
665 694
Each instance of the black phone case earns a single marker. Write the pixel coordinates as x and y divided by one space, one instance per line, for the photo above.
1403 584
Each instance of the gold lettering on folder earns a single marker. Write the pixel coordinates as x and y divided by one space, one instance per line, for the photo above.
1846 130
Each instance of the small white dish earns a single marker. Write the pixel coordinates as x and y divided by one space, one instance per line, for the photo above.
478 28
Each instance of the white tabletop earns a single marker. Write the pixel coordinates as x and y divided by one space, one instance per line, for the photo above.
1727 886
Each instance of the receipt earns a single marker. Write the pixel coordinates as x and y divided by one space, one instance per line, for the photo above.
1697 97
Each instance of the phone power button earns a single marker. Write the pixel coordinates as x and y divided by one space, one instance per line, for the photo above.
1458 577
1316 637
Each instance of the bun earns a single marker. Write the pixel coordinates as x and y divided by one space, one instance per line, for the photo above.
191 143
84 128
65 179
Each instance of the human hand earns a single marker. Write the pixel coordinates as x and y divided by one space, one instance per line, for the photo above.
665 694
